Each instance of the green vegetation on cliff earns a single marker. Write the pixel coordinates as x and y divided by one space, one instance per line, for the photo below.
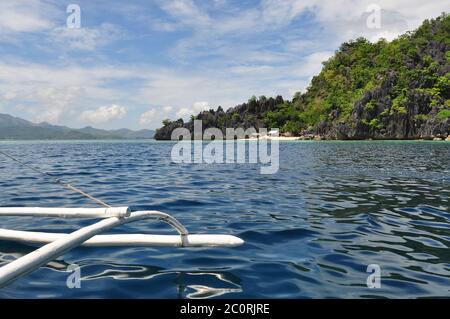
416 62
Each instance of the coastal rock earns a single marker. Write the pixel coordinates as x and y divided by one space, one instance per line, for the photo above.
246 115
165 133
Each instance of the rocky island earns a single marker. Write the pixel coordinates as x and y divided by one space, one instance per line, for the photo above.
383 90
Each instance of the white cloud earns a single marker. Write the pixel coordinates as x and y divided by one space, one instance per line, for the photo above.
25 16
84 38
343 20
160 25
312 64
388 35
347 18
147 117
197 107
55 102
154 117
59 94
281 12
9 95
167 109
104 114
186 12
42 17
202 105
54 92
184 112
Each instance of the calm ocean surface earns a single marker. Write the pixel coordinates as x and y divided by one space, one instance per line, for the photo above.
311 230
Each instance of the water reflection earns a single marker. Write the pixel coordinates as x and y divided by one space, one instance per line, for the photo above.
189 284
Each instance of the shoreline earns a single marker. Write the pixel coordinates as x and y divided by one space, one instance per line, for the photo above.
319 138
275 138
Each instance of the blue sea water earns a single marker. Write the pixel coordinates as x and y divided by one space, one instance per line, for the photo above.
311 230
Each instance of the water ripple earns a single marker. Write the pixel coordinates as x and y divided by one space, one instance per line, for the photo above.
311 230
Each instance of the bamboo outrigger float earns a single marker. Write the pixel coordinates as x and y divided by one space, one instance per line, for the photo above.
56 244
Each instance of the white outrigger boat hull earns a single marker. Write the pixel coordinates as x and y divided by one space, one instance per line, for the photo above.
56 244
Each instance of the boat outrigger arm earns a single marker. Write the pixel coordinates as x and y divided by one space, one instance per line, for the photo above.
56 244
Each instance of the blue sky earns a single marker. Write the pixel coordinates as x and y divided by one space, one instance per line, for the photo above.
134 63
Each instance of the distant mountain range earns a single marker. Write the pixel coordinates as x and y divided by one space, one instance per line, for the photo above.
15 128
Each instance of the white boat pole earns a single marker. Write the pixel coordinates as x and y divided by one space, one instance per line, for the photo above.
47 253
66 212
32 261
123 240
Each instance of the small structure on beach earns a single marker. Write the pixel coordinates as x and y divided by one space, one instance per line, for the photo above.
273 133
